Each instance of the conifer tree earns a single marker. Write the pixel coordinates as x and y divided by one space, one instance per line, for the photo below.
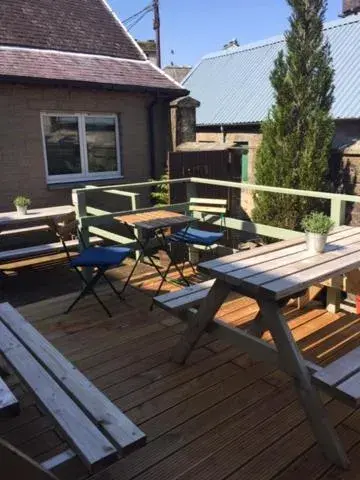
298 133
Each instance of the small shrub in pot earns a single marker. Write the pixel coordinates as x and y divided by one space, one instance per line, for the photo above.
22 204
317 225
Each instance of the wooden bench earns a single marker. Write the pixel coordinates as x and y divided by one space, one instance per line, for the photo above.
39 250
185 298
341 378
17 231
97 431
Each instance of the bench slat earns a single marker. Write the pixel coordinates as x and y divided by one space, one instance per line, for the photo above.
208 209
340 369
184 298
209 201
91 445
16 231
122 432
9 404
42 249
350 388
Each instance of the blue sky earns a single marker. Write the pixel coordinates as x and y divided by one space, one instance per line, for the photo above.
193 28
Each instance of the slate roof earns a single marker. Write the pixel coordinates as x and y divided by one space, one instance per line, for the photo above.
83 26
77 68
74 41
233 85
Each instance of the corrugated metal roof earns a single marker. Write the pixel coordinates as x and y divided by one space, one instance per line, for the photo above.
233 85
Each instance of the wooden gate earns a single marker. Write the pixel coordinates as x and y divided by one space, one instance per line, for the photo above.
216 164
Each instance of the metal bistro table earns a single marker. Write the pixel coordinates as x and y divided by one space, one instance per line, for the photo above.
271 275
148 228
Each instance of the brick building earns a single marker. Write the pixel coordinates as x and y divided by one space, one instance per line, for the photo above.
79 101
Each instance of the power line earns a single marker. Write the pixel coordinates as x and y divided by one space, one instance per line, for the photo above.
133 20
133 17
137 19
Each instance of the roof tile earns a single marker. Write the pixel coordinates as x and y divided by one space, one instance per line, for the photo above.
85 26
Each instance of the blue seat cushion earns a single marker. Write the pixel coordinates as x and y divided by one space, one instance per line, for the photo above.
100 257
194 236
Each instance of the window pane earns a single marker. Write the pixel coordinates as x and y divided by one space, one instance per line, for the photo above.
62 145
101 144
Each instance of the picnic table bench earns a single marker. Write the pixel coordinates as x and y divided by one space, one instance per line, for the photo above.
41 219
272 275
96 430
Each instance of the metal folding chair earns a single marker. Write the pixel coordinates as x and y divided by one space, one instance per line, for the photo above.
196 237
99 259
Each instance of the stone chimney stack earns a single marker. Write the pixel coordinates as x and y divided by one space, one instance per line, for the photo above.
183 120
350 7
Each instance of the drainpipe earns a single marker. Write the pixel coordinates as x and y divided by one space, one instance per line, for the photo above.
152 154
222 130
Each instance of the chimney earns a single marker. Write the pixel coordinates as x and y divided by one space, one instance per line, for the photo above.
350 7
234 43
183 120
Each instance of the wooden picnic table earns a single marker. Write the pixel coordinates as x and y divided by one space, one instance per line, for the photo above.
272 274
36 220
34 216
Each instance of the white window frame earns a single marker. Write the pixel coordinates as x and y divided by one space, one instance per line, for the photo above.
85 174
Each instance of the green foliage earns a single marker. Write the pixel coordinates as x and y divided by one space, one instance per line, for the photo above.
298 133
317 222
22 201
161 193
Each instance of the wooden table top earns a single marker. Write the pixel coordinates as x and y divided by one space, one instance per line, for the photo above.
155 219
36 214
283 268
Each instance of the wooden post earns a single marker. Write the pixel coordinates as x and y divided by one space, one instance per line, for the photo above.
79 201
134 206
333 296
338 211
191 190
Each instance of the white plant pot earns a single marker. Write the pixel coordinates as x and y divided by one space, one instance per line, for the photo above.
21 210
315 242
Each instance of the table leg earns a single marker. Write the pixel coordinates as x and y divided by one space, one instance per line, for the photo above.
291 356
206 313
333 299
257 327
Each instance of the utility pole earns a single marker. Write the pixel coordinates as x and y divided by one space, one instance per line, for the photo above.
157 31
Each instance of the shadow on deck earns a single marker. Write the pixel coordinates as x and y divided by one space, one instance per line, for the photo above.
221 416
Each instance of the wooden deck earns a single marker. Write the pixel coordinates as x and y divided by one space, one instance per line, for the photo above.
222 416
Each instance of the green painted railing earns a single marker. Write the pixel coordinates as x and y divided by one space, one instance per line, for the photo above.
92 220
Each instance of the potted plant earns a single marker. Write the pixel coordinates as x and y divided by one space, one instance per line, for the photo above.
317 226
22 203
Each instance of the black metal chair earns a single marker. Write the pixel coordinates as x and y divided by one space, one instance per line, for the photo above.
100 259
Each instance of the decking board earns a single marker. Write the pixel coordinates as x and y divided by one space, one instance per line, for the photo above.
221 415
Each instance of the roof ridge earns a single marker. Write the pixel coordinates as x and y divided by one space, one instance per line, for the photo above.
70 52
